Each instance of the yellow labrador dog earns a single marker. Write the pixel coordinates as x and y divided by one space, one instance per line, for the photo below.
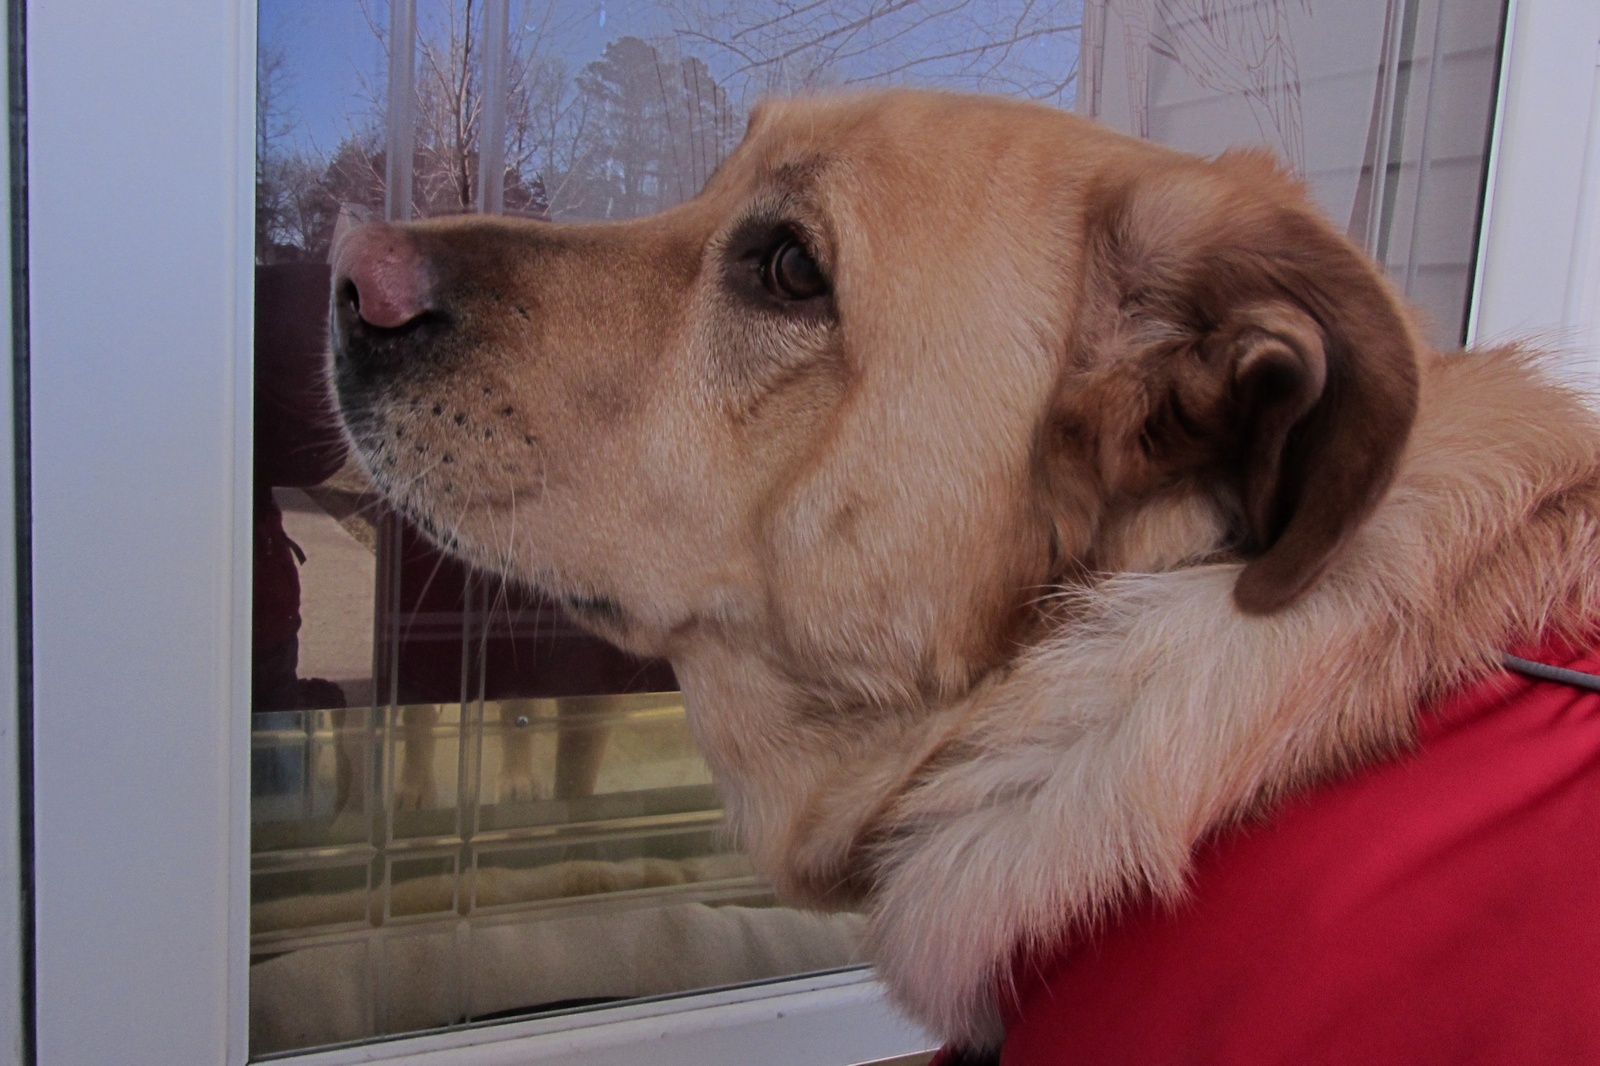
1019 504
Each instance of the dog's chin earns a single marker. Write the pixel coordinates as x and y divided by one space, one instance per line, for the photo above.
604 616
599 613
602 612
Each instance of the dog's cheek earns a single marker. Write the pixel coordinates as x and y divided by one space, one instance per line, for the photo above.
760 368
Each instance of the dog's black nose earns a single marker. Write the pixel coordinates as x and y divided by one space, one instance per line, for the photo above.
380 278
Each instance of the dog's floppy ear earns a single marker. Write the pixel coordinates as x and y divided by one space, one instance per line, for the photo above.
1271 351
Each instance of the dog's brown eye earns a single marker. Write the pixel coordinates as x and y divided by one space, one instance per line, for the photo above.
791 273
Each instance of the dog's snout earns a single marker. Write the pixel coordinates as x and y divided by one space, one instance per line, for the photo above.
381 278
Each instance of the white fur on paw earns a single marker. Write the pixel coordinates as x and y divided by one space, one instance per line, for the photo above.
522 788
415 796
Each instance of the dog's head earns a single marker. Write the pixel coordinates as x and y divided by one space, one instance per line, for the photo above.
907 363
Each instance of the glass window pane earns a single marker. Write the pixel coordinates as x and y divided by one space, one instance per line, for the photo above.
1383 107
464 807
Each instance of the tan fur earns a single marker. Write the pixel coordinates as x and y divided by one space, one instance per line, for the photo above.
1110 497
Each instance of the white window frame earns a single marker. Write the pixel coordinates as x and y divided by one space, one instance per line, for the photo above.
12 956
140 199
1538 276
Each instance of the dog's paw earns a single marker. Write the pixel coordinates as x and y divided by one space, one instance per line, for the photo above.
521 788
415 795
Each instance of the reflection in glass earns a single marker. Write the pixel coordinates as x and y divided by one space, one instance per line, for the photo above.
1382 106
401 861
464 808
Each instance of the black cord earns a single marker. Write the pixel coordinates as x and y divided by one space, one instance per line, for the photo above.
1575 678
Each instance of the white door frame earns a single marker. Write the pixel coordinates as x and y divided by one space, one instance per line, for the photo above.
13 957
140 199
139 193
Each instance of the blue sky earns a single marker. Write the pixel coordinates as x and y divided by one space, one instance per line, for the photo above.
326 46
329 46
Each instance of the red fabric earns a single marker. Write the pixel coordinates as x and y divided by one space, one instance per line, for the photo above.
1443 908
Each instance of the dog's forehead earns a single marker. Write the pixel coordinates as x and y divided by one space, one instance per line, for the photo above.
791 142
788 144
916 141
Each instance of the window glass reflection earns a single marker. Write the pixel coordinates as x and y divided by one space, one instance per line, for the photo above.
465 808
